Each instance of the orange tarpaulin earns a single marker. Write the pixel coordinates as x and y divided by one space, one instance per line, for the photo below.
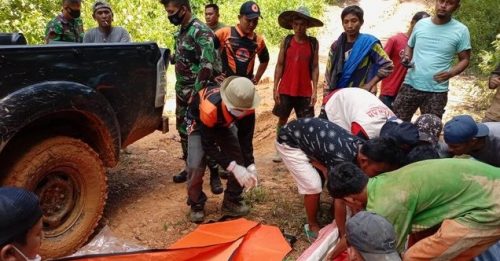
237 240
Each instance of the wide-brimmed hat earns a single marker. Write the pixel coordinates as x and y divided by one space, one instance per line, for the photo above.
285 19
239 93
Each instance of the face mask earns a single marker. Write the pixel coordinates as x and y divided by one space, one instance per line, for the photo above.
236 113
74 13
37 257
175 19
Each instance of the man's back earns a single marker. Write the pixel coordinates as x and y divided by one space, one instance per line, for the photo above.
320 139
350 106
422 195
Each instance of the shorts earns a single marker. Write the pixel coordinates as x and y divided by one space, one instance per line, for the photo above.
305 175
301 106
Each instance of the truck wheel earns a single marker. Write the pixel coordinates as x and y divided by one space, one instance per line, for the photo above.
70 180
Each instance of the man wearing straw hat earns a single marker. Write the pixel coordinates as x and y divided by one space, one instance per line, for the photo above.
297 71
213 116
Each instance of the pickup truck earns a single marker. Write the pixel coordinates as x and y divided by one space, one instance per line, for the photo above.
66 110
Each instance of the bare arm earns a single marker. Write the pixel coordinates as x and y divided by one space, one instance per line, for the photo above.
315 77
260 71
340 219
278 73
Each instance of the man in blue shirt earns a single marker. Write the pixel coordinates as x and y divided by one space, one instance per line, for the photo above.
431 49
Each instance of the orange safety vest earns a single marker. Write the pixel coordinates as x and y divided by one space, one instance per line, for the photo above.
212 107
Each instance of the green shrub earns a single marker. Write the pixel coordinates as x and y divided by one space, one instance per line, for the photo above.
145 20
270 10
482 19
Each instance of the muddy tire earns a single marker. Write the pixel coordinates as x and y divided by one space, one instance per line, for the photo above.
70 180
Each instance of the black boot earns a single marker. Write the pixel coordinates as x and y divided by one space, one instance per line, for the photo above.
181 177
215 183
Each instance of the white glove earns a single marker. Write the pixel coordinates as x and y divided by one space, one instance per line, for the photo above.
253 174
242 175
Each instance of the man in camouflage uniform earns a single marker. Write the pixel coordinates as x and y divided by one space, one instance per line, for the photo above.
196 62
67 26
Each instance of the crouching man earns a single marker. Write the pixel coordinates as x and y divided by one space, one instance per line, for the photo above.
313 141
461 194
217 126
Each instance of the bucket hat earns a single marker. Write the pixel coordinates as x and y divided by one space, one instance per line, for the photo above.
239 93
285 19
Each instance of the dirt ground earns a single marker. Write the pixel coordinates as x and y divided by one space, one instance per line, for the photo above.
147 208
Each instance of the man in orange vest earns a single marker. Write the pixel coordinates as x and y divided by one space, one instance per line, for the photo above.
217 127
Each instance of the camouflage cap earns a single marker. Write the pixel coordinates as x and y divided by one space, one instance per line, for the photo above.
429 128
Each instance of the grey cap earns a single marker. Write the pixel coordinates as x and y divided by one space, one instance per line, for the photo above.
372 236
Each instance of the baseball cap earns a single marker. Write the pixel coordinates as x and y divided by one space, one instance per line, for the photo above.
429 128
463 128
372 236
250 9
405 133
19 211
239 93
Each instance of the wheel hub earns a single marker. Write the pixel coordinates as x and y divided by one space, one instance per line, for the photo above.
57 199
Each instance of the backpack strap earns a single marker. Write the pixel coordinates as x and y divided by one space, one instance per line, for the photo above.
314 46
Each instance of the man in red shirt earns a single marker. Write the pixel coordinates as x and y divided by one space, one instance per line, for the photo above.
296 81
395 48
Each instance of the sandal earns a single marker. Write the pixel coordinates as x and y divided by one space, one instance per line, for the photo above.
310 235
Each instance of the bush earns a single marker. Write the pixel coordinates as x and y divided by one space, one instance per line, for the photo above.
145 20
270 10
481 17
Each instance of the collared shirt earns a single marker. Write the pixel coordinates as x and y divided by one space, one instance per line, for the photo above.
238 51
60 29
218 26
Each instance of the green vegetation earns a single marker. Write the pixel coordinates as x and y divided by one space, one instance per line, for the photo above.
146 20
481 17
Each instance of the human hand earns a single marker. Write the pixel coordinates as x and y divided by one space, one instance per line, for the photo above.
255 81
314 98
442 76
276 96
406 62
370 88
494 82
242 175
253 176
219 79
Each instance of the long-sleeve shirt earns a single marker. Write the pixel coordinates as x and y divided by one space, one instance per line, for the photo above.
196 60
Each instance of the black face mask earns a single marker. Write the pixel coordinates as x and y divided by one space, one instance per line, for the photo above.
74 13
175 19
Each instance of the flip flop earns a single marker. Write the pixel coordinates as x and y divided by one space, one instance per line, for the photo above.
310 235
